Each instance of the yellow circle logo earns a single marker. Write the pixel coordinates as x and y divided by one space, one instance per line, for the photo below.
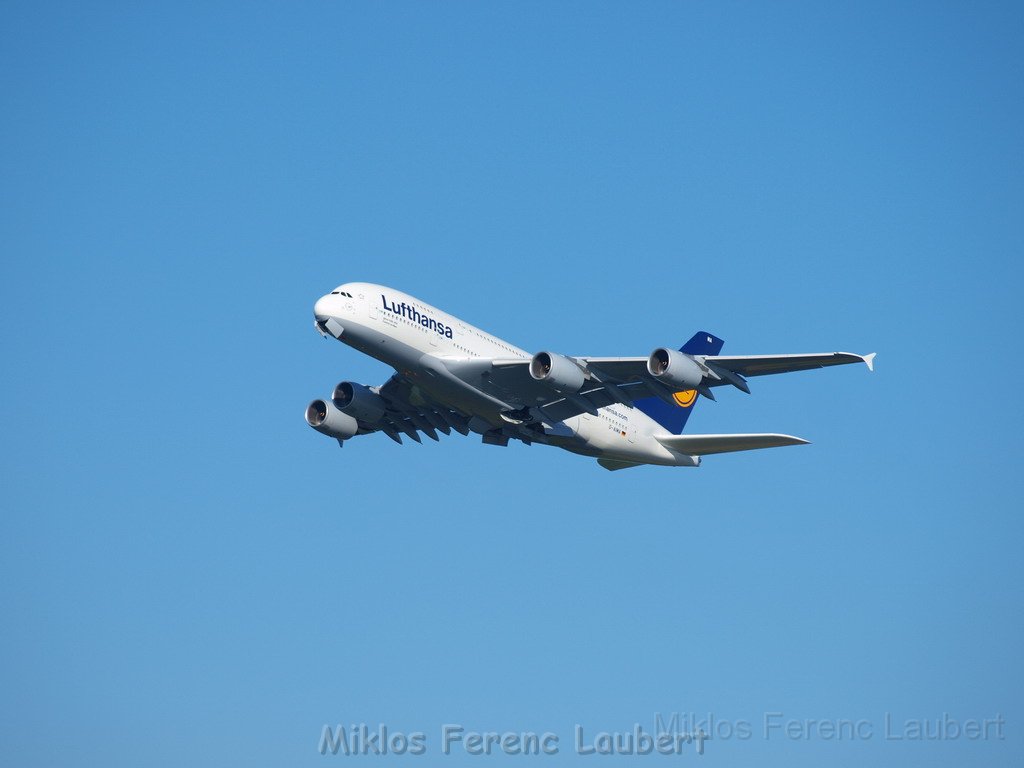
685 399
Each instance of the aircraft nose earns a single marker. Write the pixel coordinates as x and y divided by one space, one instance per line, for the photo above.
322 308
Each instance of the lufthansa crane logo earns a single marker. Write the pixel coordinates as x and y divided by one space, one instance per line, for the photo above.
686 398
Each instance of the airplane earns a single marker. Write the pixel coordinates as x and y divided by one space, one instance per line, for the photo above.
450 375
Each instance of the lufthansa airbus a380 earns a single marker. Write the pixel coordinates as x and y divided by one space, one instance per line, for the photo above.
623 411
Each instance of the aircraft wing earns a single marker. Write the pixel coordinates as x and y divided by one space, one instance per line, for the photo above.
612 380
626 368
761 365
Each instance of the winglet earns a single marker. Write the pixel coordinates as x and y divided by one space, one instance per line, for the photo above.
869 361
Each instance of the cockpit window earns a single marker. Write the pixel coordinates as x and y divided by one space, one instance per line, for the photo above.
341 293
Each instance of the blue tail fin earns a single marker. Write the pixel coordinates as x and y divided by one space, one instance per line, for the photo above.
673 417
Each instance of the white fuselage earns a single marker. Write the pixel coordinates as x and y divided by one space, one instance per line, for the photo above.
399 330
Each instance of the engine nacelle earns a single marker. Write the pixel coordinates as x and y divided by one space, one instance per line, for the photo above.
359 402
557 371
322 416
674 369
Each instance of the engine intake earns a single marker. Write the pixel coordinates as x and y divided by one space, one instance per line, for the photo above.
674 369
328 420
359 402
557 371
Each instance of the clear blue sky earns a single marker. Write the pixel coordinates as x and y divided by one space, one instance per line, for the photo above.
190 576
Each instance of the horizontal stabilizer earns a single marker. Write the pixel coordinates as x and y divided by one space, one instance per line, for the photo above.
703 445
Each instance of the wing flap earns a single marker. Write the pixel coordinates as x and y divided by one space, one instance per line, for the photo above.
704 445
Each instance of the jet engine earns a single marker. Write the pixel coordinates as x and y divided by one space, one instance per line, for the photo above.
359 402
325 418
557 371
674 369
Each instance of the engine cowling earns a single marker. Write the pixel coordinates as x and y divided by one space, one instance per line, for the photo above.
557 371
359 402
674 369
326 419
